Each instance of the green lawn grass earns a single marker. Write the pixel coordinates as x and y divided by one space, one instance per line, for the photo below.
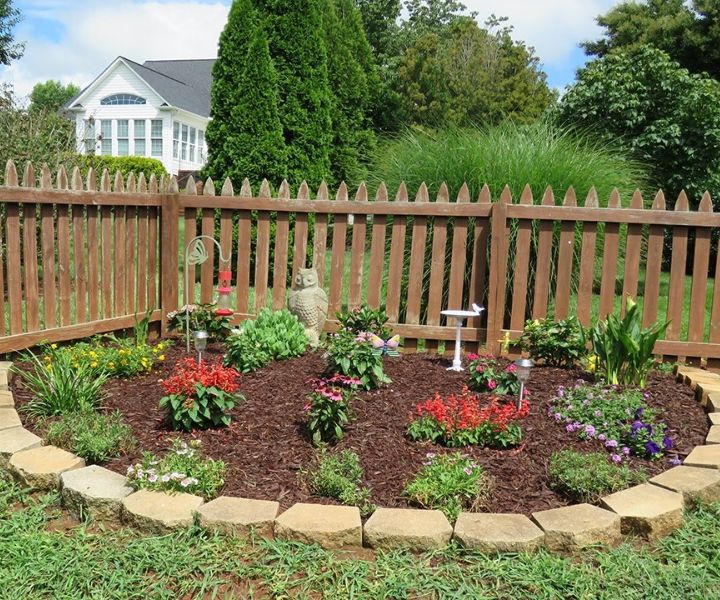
41 560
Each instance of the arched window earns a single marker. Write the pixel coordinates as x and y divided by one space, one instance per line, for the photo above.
122 99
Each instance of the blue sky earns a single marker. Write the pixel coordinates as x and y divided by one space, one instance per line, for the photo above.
74 40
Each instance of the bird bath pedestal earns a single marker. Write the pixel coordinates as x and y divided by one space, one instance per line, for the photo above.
459 316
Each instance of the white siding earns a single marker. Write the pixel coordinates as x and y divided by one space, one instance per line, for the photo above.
120 79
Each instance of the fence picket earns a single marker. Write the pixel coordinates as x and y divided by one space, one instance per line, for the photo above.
377 252
243 252
543 263
610 258
701 261
207 228
337 264
106 228
320 237
478 267
676 290
437 267
63 234
633 246
459 254
498 269
14 267
119 260
226 222
142 260
653 264
417 265
78 225
397 254
282 239
262 251
522 266
357 256
30 260
587 264
301 233
566 250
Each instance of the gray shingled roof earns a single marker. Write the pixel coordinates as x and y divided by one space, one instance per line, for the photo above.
182 83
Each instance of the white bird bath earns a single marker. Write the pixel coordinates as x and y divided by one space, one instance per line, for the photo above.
459 316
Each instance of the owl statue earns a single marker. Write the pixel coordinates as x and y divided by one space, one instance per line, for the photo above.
309 303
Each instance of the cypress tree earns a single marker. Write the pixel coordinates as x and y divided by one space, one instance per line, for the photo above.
255 143
297 48
352 74
226 88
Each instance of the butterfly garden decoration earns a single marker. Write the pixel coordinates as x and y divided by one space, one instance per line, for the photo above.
388 347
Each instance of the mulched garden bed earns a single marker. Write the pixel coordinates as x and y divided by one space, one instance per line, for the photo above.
265 449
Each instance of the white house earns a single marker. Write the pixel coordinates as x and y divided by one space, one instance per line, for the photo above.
159 109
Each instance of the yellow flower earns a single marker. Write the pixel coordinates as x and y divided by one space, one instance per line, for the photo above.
47 359
111 365
53 346
93 364
592 363
161 357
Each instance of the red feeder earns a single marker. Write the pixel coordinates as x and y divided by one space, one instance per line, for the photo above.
224 290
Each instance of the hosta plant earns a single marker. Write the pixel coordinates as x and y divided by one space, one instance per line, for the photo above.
353 356
271 336
365 319
623 350
199 396
328 408
457 421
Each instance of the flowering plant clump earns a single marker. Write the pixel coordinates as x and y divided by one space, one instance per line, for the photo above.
556 343
201 317
619 419
365 319
328 407
352 355
199 396
113 356
487 375
182 469
460 421
450 483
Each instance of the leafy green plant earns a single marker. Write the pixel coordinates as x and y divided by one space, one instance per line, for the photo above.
586 477
556 343
352 355
59 385
623 349
487 375
200 395
94 436
339 476
450 483
328 408
457 421
365 319
271 336
619 419
182 469
201 317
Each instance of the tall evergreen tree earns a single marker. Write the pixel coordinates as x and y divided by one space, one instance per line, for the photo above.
227 88
353 78
297 47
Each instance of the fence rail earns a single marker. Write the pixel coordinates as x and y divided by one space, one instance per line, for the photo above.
85 257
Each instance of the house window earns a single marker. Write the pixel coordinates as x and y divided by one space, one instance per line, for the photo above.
123 137
116 99
176 139
193 139
201 146
106 133
184 149
89 136
156 142
139 134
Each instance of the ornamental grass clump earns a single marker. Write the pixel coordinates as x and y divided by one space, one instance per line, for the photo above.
354 355
328 408
619 419
458 421
488 375
339 476
199 396
182 469
271 336
450 483
586 477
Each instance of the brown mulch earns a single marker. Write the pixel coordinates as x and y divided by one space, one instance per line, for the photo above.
265 449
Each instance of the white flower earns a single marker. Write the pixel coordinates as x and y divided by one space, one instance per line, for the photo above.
152 478
130 470
165 478
188 481
177 476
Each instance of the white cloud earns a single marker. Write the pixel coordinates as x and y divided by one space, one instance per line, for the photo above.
96 32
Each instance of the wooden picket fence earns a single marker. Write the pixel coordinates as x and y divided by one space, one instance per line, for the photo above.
103 256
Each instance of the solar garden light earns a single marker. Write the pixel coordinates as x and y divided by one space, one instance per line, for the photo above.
522 372
200 340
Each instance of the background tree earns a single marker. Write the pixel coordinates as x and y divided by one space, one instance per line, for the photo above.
668 117
688 32
9 49
52 95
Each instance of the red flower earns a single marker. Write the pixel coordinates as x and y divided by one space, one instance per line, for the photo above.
208 374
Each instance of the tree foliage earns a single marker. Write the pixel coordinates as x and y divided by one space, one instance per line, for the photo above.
668 117
52 95
9 17
687 31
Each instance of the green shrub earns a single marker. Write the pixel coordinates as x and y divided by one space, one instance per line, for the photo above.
59 385
200 395
182 469
202 317
353 356
556 343
340 477
623 349
587 477
124 164
271 336
365 319
94 436
450 483
328 408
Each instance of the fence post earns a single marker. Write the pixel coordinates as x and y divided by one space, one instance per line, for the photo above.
497 273
169 249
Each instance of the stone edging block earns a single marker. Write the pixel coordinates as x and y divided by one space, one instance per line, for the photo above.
407 528
6 374
327 525
694 483
94 492
714 418
704 456
6 399
41 467
16 439
158 512
494 532
570 528
646 510
239 516
9 418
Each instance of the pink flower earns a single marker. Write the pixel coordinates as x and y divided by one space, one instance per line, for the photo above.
616 458
479 368
307 407
472 356
511 368
491 384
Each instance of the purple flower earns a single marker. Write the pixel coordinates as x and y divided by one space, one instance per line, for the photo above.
589 431
585 402
667 443
626 451
570 427
611 444
602 437
639 412
652 448
635 426
468 471
616 458
597 414
675 461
